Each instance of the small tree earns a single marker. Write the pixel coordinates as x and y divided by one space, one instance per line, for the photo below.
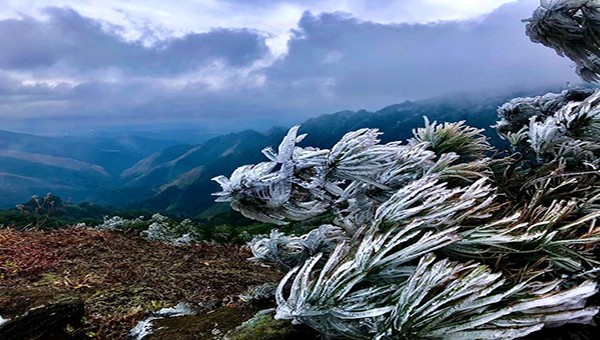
432 238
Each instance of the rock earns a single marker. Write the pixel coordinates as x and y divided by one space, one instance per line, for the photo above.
51 321
237 322
205 325
264 327
144 327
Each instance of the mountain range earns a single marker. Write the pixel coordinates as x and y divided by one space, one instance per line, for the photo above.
177 179
160 175
70 167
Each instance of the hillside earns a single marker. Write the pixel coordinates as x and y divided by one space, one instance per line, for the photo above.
114 154
178 178
109 280
23 173
66 166
160 175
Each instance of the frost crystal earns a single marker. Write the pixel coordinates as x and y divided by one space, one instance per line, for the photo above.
553 126
572 29
431 238
426 244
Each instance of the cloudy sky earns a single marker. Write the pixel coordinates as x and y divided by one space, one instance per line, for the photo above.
231 64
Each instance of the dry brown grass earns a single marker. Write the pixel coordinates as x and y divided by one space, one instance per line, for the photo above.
118 275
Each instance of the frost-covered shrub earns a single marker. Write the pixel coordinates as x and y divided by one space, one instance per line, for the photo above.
120 223
258 293
554 126
164 229
288 251
352 179
424 247
572 29
156 228
161 228
432 238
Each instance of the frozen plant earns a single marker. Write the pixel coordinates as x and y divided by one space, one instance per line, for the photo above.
435 239
553 126
288 251
116 223
164 229
572 29
38 211
145 327
160 228
157 228
259 293
353 178
425 248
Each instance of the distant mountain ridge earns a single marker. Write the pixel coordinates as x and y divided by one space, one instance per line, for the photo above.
114 154
139 172
66 166
177 179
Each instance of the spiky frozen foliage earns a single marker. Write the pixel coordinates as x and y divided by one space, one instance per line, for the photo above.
434 299
516 113
118 222
156 228
351 179
432 238
288 251
453 137
572 29
555 126
427 246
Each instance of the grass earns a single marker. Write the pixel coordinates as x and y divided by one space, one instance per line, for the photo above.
119 276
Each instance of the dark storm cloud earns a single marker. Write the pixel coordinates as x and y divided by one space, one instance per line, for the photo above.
369 64
334 62
70 40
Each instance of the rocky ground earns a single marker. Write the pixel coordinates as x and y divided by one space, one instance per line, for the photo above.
80 283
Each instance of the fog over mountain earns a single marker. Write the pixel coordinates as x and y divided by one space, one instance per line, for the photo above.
177 179
71 167
174 176
218 67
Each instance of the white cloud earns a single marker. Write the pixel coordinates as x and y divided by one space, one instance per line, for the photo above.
275 18
335 61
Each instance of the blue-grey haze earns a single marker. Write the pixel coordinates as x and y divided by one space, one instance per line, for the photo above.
68 72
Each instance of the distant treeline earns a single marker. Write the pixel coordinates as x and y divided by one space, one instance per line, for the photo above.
224 225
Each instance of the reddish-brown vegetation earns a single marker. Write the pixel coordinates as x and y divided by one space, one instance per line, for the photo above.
22 256
119 276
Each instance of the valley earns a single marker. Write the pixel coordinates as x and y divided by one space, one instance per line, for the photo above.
166 176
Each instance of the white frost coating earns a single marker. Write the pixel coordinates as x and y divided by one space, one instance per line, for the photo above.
142 329
572 29
145 327
371 274
159 228
352 178
517 112
3 320
555 126
289 251
181 309
531 216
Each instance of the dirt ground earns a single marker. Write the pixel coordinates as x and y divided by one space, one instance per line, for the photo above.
119 276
